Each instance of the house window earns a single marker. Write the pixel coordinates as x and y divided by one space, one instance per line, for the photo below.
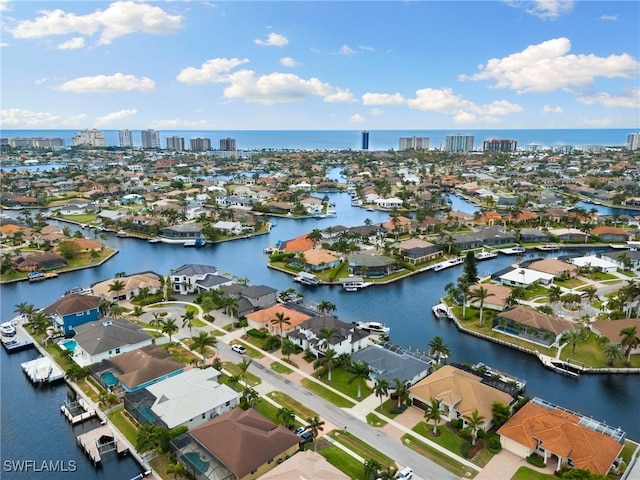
204 415
227 404
117 350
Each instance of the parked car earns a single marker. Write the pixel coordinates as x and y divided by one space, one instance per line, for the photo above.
238 348
305 437
300 430
405 474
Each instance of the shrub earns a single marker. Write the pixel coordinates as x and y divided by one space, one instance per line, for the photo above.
456 423
256 333
535 460
480 433
395 410
493 444
465 449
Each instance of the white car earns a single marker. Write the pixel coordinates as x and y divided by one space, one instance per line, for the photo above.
406 473
238 348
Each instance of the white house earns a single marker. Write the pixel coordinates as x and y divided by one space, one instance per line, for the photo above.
348 338
301 186
185 277
596 263
524 277
392 202
228 228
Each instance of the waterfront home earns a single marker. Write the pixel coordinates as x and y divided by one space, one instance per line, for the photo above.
561 437
610 234
132 285
460 393
191 399
228 228
105 338
624 259
497 299
251 298
368 264
388 361
305 464
568 234
416 251
348 338
135 370
524 277
492 236
240 444
467 241
610 329
185 278
184 231
71 209
86 244
263 319
39 261
554 267
74 309
595 263
296 245
390 203
531 325
533 235
316 260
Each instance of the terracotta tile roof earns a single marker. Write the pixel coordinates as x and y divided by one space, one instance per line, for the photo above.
305 464
561 435
499 293
298 244
611 328
461 390
319 256
552 266
143 365
243 440
609 230
530 317
267 314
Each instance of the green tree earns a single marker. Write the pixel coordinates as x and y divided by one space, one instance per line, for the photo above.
69 249
381 388
325 307
202 342
188 318
572 337
287 416
288 348
315 236
359 372
629 340
244 370
315 426
432 412
475 421
137 312
116 287
325 336
470 268
500 413
612 352
401 390
328 359
169 327
280 320
371 468
177 469
438 348
481 294
157 319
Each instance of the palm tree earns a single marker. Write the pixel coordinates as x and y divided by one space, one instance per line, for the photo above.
156 321
116 286
249 399
287 416
572 337
325 307
475 421
315 236
381 389
328 359
187 319
280 320
611 352
463 288
325 335
590 293
315 425
116 311
137 312
177 469
401 389
359 371
371 468
432 412
555 293
481 294
169 327
25 309
244 369
288 347
629 340
202 342
438 348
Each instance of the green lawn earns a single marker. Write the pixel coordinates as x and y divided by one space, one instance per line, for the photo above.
375 421
448 438
361 447
343 462
589 353
525 473
286 401
269 410
440 458
340 381
570 283
233 368
123 424
280 368
325 393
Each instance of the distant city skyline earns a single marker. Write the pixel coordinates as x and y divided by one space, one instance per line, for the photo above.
364 65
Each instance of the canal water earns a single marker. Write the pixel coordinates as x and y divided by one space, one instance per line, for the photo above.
405 306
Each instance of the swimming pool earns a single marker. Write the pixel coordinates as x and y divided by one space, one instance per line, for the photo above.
109 379
68 344
507 330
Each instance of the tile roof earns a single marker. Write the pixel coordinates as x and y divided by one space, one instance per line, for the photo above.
143 365
532 318
267 314
561 435
305 464
73 303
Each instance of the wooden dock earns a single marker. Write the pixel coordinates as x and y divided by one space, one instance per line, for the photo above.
78 411
99 441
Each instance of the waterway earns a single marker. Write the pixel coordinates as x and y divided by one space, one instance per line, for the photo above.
405 306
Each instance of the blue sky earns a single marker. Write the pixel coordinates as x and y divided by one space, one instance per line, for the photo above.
320 65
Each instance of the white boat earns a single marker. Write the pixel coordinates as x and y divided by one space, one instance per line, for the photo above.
42 370
441 311
484 255
448 263
353 284
306 279
153 240
548 247
121 234
513 250
373 327
7 329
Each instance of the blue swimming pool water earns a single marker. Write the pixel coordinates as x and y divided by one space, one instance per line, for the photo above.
510 331
109 379
68 344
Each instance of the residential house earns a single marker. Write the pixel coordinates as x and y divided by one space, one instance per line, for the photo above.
466 241
185 278
561 437
72 209
132 285
391 363
497 299
39 261
240 445
460 393
416 251
305 464
251 298
105 338
532 235
624 259
611 330
524 277
494 236
263 319
186 231
228 228
348 338
190 399
595 263
316 260
388 202
568 234
554 267
135 370
611 234
296 245
367 264
73 310
534 324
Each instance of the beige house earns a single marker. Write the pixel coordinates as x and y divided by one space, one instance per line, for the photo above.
305 464
497 299
131 286
554 267
263 319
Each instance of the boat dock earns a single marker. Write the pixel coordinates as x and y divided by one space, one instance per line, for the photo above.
99 441
442 311
42 370
78 411
512 250
448 263
18 342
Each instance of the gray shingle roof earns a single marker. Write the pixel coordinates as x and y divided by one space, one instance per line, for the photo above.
107 334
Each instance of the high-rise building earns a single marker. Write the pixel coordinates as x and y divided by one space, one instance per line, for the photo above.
200 144
175 143
89 138
150 138
458 143
500 145
413 143
365 140
228 144
633 141
126 138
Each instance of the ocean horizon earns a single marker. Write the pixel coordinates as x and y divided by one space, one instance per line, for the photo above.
351 139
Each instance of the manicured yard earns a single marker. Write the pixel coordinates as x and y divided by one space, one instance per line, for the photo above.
286 401
375 421
325 393
233 368
589 353
570 283
361 447
122 422
447 438
443 460
340 381
343 462
526 473
280 368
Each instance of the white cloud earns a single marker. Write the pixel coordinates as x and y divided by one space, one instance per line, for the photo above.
109 84
544 9
376 112
550 109
288 62
19 118
609 18
547 67
180 124
367 48
382 99
346 50
4 44
356 118
3 6
273 40
74 43
118 19
629 99
211 71
340 96
109 118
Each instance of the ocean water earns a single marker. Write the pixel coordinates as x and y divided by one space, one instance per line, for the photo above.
351 139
